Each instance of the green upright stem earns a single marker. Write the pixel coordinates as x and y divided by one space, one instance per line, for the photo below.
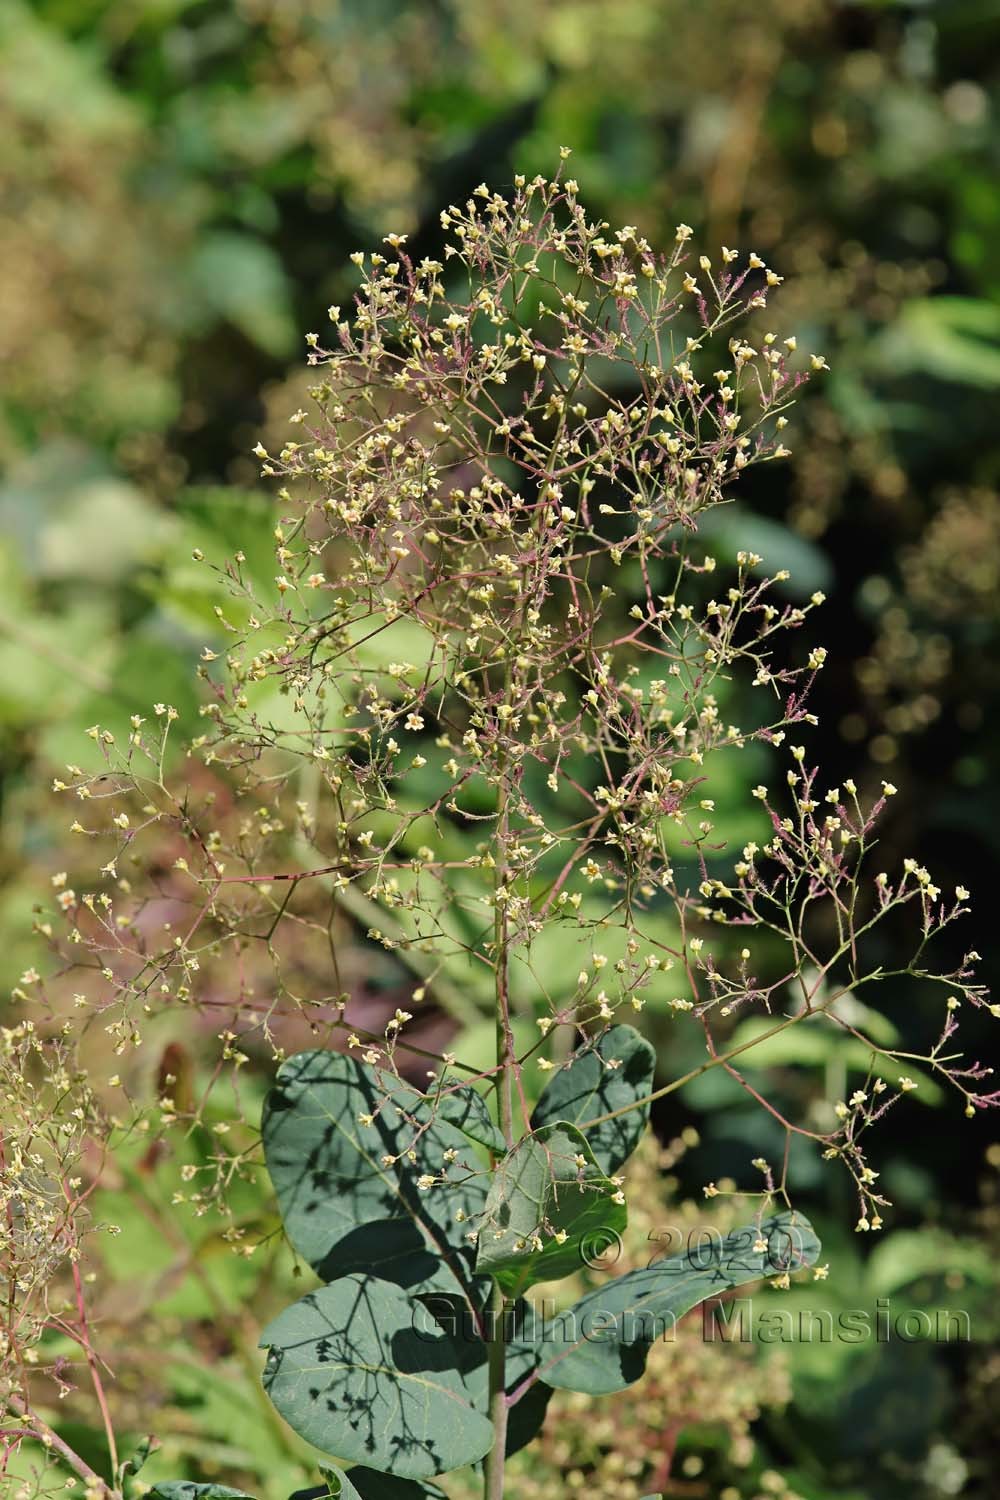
505 1085
493 1468
506 1057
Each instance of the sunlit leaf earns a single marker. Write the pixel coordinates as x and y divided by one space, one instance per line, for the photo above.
187 1489
522 1326
361 1370
345 1207
601 1343
361 1483
466 1110
612 1074
548 1199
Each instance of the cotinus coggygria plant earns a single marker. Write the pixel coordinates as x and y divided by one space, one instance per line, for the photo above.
481 707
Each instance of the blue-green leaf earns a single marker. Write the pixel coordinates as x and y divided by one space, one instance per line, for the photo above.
344 1208
609 1074
522 1332
466 1109
367 1484
548 1197
600 1344
187 1489
367 1373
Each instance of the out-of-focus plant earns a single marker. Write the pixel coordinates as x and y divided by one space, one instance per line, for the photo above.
492 610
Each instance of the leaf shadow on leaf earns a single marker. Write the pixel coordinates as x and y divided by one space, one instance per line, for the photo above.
363 1371
601 1343
361 1483
348 1191
522 1323
190 1489
612 1073
391 1248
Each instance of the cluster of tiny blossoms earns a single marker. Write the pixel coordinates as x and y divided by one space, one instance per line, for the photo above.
50 1134
482 701
811 886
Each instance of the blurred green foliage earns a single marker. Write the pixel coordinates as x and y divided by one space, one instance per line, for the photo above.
182 182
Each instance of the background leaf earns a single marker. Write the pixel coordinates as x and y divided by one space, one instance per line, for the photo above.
816 1044
952 338
241 279
733 528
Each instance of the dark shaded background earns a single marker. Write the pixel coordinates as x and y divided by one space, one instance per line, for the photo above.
181 186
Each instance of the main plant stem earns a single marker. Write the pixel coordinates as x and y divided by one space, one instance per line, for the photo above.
493 1468
506 1058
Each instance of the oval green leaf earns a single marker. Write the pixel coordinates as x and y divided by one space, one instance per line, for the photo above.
345 1208
364 1372
615 1072
548 1202
600 1344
